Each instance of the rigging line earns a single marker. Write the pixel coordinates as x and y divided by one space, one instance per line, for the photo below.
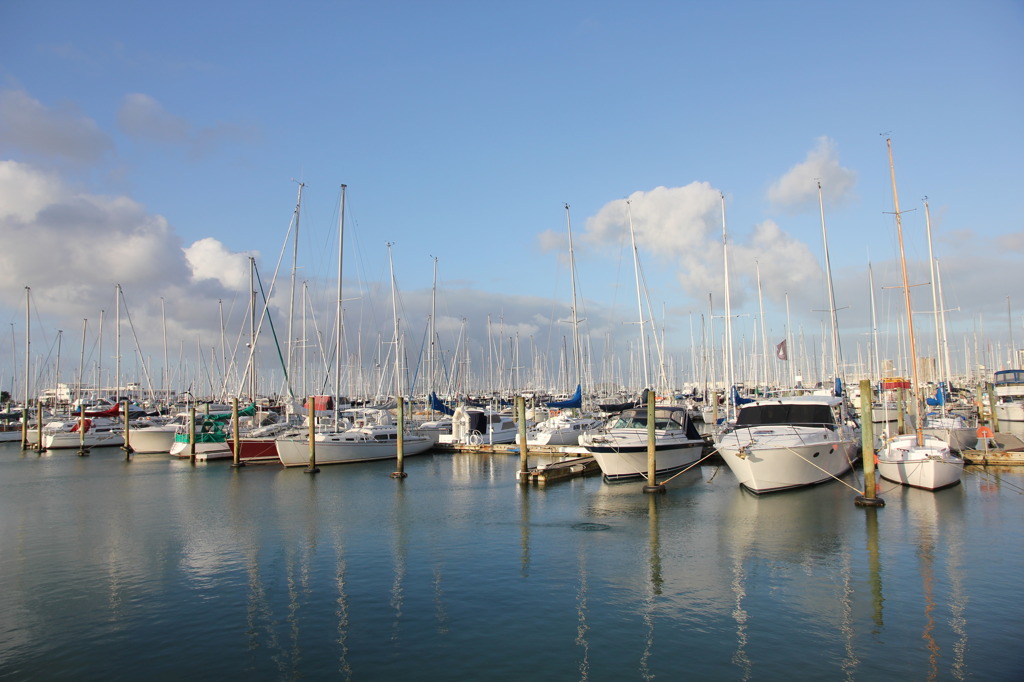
683 471
142 358
823 470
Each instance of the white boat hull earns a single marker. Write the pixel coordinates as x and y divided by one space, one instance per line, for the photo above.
331 449
152 439
624 455
930 466
204 451
769 459
92 439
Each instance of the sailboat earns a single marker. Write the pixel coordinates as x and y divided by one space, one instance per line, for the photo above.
564 427
915 459
371 435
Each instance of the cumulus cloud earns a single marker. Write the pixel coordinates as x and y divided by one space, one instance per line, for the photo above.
799 186
211 260
62 133
71 247
682 226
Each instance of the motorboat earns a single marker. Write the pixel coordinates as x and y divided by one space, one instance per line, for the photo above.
790 442
620 447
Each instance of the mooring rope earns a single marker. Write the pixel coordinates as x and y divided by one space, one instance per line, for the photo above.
683 471
826 472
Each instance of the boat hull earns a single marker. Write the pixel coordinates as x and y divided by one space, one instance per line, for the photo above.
151 440
295 451
766 460
204 451
66 440
929 466
628 460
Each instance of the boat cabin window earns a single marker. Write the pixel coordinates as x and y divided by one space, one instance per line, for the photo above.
768 415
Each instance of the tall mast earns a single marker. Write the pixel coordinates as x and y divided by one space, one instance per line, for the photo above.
730 370
163 374
764 337
81 365
117 342
291 300
575 314
639 300
906 296
394 311
432 348
28 344
339 325
939 372
831 293
877 373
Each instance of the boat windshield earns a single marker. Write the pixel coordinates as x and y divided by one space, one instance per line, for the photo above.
778 415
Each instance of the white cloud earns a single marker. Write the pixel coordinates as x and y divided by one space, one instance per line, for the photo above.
682 226
799 186
210 260
72 247
62 133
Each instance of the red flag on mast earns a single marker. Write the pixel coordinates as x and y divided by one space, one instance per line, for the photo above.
780 350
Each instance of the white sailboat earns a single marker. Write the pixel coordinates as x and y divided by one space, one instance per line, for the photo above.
373 436
915 459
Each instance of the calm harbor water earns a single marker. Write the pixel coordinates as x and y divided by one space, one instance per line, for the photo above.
158 569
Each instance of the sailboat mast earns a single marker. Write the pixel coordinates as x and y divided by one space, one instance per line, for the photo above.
394 311
339 325
575 314
729 406
291 299
81 364
906 297
877 373
28 340
639 300
117 343
831 292
935 295
764 337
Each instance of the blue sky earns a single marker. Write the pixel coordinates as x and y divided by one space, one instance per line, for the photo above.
157 146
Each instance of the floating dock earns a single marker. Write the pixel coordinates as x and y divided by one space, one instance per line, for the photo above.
561 470
1002 449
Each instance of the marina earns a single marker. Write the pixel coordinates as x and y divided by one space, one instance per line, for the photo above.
162 568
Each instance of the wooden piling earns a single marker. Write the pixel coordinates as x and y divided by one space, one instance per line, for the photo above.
127 447
236 460
870 497
24 427
192 434
399 472
652 460
82 452
312 468
524 469
39 427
